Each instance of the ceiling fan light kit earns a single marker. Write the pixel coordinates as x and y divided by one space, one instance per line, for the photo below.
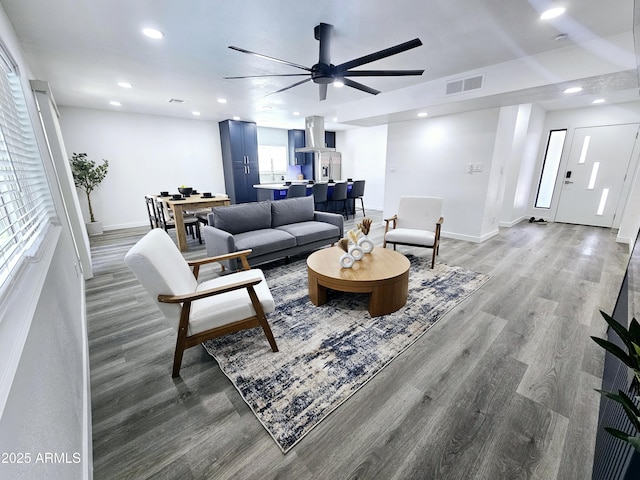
324 72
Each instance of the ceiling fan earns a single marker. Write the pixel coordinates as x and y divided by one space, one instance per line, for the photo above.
324 72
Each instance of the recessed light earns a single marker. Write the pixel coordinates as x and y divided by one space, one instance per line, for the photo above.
338 83
236 118
573 90
125 85
598 100
296 113
423 114
222 100
552 13
335 119
115 103
197 114
153 33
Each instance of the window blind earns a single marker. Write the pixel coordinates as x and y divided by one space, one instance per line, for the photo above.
26 205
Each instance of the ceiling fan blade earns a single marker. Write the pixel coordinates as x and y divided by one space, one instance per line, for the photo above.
324 34
359 86
242 50
381 73
372 57
290 86
323 91
270 75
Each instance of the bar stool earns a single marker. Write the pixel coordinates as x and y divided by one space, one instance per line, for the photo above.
357 191
339 195
320 195
297 190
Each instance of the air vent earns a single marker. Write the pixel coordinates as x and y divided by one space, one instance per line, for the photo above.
177 100
464 85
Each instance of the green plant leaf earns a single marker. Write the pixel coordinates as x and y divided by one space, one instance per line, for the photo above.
627 404
618 433
634 330
617 352
632 439
620 330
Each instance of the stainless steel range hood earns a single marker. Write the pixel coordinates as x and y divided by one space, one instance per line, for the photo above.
314 136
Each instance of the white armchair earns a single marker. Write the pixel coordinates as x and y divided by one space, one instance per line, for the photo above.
417 223
202 311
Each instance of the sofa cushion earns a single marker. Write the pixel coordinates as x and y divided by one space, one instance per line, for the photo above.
263 241
243 217
309 232
291 210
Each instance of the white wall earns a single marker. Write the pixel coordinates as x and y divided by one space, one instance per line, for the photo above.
147 154
430 157
47 409
364 153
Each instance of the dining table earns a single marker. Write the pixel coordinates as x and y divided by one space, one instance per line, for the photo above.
194 201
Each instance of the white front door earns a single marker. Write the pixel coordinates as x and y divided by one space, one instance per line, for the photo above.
596 172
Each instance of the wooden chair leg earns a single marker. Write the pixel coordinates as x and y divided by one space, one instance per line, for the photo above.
262 318
180 341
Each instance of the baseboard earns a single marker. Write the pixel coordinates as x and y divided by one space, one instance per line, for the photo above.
513 222
126 225
470 238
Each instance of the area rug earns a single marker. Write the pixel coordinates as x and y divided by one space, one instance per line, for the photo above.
327 353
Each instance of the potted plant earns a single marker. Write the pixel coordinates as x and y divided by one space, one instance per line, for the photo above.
631 358
87 175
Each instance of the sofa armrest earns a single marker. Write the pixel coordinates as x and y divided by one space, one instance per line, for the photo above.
333 218
218 242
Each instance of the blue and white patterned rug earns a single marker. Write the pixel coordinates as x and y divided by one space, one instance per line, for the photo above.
327 353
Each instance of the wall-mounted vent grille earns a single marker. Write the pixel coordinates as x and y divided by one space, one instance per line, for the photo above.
464 85
176 100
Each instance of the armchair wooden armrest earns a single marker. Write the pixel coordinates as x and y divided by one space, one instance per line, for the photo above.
242 254
190 297
393 219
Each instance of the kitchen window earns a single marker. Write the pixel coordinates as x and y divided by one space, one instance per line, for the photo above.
272 161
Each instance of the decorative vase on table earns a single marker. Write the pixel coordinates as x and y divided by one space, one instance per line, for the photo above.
346 260
365 243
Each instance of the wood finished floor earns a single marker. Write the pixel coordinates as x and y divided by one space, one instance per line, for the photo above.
501 388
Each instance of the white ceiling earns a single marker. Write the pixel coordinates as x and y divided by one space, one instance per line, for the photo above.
84 48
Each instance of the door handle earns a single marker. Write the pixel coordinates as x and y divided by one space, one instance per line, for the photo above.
566 182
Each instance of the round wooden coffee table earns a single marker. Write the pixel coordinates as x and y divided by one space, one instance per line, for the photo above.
384 274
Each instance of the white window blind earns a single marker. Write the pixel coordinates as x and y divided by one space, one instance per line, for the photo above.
26 206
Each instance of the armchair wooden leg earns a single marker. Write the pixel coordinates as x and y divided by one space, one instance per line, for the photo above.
181 340
262 318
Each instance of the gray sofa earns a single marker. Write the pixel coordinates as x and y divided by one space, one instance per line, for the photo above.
272 229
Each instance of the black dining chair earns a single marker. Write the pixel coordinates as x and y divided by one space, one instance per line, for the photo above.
356 192
297 190
320 196
151 211
338 197
191 223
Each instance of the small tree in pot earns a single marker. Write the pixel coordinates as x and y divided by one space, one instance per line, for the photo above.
87 175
